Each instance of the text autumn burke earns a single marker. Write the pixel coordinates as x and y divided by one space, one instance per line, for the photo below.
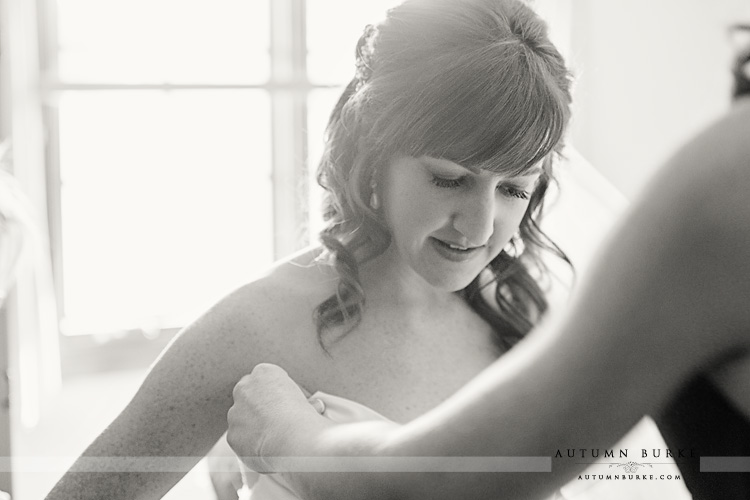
625 453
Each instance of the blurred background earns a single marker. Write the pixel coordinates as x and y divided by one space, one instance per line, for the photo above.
157 154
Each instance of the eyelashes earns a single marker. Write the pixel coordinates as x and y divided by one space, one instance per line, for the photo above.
514 192
442 182
504 189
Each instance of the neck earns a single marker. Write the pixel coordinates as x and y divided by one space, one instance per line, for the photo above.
388 282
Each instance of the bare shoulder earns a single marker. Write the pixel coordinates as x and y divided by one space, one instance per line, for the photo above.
730 184
267 320
699 197
713 169
273 313
695 214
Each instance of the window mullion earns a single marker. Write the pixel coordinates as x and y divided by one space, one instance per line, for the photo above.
48 46
288 121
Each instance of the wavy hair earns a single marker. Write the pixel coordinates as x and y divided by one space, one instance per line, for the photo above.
476 82
741 66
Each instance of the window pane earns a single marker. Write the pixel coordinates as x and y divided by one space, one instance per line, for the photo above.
166 203
333 28
144 41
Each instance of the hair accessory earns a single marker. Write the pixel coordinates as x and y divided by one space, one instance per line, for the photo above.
364 51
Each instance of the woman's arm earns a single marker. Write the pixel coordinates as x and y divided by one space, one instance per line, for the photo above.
179 411
666 298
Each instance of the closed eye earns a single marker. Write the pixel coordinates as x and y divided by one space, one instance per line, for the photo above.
506 190
447 183
513 192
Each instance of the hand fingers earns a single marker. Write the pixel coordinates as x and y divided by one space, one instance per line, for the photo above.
269 379
305 391
319 405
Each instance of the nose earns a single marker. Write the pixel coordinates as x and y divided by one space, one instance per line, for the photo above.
475 218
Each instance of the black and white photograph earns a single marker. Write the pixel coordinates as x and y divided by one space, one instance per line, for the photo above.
377 249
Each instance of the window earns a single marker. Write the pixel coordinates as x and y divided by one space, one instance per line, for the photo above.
182 141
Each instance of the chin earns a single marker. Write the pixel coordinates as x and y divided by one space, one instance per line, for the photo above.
450 282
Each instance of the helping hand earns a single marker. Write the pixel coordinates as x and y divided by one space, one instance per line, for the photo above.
271 417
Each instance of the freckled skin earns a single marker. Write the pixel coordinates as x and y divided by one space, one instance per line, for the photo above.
394 362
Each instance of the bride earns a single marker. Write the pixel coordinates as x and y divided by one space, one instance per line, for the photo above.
439 155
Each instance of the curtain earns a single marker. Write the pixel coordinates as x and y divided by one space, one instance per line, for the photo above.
31 310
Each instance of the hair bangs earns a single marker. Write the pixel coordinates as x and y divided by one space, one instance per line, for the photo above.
504 117
477 82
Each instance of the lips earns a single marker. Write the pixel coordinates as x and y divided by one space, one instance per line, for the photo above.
453 251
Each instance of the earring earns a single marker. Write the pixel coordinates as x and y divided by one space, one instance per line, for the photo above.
374 199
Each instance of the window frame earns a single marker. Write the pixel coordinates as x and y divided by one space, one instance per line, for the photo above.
288 87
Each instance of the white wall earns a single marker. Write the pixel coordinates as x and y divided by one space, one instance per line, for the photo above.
650 73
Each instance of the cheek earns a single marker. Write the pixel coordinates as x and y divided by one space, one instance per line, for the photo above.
411 209
508 220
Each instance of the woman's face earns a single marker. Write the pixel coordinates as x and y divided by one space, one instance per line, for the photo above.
448 222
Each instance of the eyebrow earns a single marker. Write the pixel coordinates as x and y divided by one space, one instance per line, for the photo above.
451 164
528 173
476 170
